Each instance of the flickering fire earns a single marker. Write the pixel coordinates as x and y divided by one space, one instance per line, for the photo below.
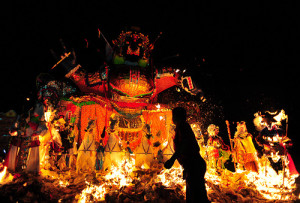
5 176
269 184
118 177
63 183
123 175
98 192
2 174
164 144
281 116
47 115
272 185
171 177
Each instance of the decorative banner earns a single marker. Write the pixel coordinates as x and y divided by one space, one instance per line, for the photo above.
94 112
159 123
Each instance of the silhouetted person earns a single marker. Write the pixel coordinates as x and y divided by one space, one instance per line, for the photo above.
187 154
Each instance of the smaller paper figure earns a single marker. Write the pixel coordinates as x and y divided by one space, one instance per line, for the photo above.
169 150
87 151
113 151
128 151
218 152
35 129
16 133
51 142
144 153
100 156
275 142
244 152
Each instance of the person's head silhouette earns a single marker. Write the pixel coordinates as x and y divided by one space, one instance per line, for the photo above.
178 115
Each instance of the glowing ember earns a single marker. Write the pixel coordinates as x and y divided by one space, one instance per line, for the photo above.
5 177
98 192
125 176
265 185
48 115
121 175
172 177
64 183
2 174
117 177
271 185
281 116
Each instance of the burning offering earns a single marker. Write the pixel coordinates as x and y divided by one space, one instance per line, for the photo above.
109 136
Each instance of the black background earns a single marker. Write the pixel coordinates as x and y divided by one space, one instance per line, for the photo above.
244 55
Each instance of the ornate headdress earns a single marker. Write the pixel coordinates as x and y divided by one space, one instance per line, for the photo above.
239 126
211 129
132 46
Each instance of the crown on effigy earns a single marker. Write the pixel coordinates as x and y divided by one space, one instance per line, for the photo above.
139 38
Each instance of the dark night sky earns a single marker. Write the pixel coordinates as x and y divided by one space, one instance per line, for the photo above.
249 48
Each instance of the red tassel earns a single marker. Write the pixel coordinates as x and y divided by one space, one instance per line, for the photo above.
292 168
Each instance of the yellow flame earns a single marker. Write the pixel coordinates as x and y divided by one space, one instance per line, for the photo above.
119 176
5 176
64 183
47 116
98 192
165 144
122 175
272 185
172 177
2 174
267 182
281 116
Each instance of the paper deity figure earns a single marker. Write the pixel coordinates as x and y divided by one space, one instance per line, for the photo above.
217 150
244 152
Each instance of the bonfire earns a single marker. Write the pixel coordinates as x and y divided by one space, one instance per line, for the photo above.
106 140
